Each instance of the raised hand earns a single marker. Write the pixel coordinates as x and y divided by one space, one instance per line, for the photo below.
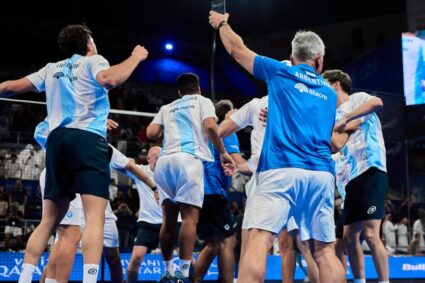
140 52
215 19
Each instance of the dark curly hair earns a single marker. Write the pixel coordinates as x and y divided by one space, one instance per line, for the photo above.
73 39
344 79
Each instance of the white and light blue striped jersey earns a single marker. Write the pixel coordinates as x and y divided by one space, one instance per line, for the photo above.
182 122
74 98
364 149
249 114
41 133
149 210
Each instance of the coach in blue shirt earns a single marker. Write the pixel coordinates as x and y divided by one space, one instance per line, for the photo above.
295 173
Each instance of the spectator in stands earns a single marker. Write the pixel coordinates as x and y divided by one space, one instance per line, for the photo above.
133 200
389 231
29 164
4 203
13 232
18 198
113 190
142 134
120 198
414 248
1 166
12 168
418 228
402 234
124 215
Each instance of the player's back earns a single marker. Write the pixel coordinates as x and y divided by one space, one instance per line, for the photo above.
74 98
182 121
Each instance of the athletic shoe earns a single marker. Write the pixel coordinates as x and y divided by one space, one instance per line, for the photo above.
179 278
166 278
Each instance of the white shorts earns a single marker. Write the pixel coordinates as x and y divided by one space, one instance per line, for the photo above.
110 235
72 217
250 188
180 178
306 195
74 214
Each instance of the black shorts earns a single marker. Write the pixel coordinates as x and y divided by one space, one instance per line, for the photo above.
77 161
147 235
365 196
214 218
339 226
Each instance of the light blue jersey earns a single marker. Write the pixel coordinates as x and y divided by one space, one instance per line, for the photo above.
364 149
413 69
301 116
41 133
74 98
215 181
182 122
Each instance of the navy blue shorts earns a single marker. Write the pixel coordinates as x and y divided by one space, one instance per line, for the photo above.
365 197
214 218
147 235
77 161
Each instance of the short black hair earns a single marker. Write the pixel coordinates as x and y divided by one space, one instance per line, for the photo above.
73 39
188 83
344 79
221 109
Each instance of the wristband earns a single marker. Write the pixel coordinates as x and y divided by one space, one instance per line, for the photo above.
154 189
223 22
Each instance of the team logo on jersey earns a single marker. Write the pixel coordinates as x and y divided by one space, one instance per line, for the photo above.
92 271
371 210
301 87
69 214
58 75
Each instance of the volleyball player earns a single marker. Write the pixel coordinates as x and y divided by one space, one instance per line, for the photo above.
150 218
361 176
215 224
77 155
62 256
186 125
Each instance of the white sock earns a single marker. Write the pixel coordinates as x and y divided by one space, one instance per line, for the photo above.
360 280
26 273
90 273
49 280
384 281
184 266
168 266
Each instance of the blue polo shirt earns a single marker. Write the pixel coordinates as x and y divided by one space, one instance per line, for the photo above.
215 182
301 116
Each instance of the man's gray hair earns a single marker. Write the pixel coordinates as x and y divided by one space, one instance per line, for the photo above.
307 45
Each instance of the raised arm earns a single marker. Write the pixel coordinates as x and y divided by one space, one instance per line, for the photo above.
118 74
233 42
370 106
10 88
